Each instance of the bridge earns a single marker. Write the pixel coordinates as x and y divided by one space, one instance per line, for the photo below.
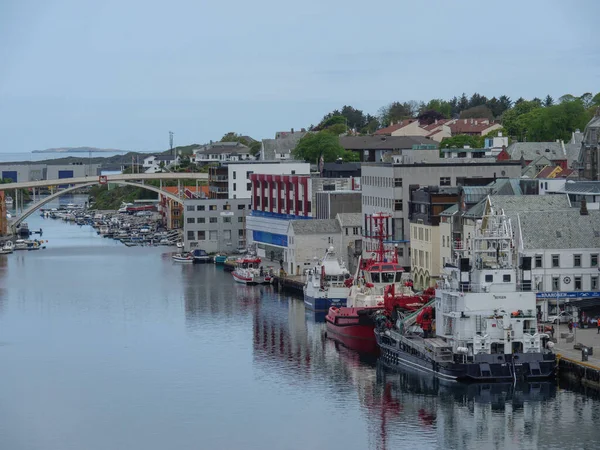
134 179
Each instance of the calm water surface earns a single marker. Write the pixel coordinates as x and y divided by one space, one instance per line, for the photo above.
108 347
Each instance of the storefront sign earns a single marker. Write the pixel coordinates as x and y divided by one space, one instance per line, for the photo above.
578 294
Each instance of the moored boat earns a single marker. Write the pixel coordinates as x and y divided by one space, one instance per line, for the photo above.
481 326
249 271
327 284
183 258
201 257
220 259
7 247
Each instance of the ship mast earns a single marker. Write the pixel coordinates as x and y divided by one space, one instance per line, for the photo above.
379 224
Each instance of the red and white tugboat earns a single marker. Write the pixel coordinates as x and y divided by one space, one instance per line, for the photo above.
377 284
249 271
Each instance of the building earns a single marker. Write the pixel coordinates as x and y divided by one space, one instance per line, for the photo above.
588 159
215 225
527 152
329 203
282 146
386 187
172 211
307 242
341 169
377 148
238 174
576 191
406 127
58 171
425 206
221 152
276 199
149 162
35 172
473 127
218 181
440 129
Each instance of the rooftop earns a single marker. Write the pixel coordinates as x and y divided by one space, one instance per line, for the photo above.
315 226
383 142
350 219
531 150
557 229
222 147
284 143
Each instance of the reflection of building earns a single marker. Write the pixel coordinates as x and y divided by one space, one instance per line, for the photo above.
3 219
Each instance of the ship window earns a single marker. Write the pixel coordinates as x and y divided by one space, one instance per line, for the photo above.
387 277
398 277
375 277
506 278
489 278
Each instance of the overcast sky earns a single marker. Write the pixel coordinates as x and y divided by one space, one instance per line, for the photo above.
122 73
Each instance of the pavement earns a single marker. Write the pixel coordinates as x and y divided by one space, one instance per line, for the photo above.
586 336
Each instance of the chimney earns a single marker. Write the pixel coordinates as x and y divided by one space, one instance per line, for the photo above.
465 120
436 121
583 211
475 122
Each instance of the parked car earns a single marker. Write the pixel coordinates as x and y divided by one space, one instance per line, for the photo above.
563 317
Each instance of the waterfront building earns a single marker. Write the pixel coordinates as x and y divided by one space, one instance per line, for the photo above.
35 172
425 206
215 225
172 211
386 186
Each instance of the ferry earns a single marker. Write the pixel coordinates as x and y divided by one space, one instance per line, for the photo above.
480 326
327 284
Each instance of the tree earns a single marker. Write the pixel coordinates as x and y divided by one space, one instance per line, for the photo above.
505 104
394 112
441 106
555 122
314 145
512 121
566 98
371 126
355 118
255 148
477 99
548 101
463 103
596 100
430 116
460 140
587 99
477 112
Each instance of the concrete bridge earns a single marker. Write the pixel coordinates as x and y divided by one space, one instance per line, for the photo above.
135 179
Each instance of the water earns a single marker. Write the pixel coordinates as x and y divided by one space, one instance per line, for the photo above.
108 347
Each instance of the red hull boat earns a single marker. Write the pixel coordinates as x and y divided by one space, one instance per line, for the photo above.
353 327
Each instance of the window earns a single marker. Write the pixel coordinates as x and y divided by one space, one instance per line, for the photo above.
213 207
248 173
240 220
506 278
189 208
200 208
213 235
234 187
577 283
346 230
555 283
443 241
190 220
240 233
426 235
234 174
555 260
241 206
226 219
201 220
248 186
594 284
227 235
355 231
445 181
576 260
538 261
397 205
190 235
176 212
213 220
226 207
594 260
397 182
400 253
489 278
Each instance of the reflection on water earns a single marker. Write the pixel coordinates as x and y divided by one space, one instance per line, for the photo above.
115 347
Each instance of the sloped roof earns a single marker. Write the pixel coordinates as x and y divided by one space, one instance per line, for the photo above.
450 211
514 204
284 144
560 229
582 187
472 126
531 150
315 226
350 219
223 147
395 127
384 142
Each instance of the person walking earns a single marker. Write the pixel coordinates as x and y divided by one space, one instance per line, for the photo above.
598 325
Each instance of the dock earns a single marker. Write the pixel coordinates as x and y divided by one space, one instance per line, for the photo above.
293 283
570 362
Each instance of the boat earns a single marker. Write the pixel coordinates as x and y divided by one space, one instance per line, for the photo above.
249 271
354 324
7 247
20 244
201 257
481 325
220 259
123 208
8 200
185 258
326 284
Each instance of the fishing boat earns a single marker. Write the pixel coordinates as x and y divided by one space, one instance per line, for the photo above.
201 257
354 324
7 247
220 259
326 284
249 271
481 325
185 258
20 244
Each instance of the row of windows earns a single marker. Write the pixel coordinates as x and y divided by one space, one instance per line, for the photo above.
225 207
382 202
420 233
299 204
248 173
213 235
212 220
355 231
577 283
420 258
577 261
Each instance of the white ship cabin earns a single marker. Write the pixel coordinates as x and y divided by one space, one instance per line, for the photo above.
382 274
333 270
478 306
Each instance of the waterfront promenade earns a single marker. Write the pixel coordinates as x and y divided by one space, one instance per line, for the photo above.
585 336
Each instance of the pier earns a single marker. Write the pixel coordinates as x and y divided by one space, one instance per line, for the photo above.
569 358
292 283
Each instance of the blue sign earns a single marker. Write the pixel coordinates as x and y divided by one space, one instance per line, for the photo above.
578 294
270 238
272 215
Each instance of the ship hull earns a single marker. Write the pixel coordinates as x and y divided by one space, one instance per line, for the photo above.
522 367
353 327
322 303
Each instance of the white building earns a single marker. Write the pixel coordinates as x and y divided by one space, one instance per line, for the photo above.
148 162
221 152
239 183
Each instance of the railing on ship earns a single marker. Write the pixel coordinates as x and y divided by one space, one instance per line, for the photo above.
482 287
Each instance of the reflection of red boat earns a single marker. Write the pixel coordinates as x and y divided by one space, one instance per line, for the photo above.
372 289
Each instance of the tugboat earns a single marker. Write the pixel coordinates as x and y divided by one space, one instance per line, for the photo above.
326 284
377 280
485 327
249 271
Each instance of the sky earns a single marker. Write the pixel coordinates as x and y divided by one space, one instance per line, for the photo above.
123 73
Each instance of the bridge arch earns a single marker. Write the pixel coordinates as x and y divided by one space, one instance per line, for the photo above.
33 208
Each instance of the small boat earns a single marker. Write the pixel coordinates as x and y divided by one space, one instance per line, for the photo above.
7 248
185 258
20 244
201 257
327 284
249 271
8 200
220 259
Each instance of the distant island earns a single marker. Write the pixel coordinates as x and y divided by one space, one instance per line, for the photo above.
80 150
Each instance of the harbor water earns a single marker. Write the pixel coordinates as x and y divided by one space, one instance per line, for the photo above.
108 347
